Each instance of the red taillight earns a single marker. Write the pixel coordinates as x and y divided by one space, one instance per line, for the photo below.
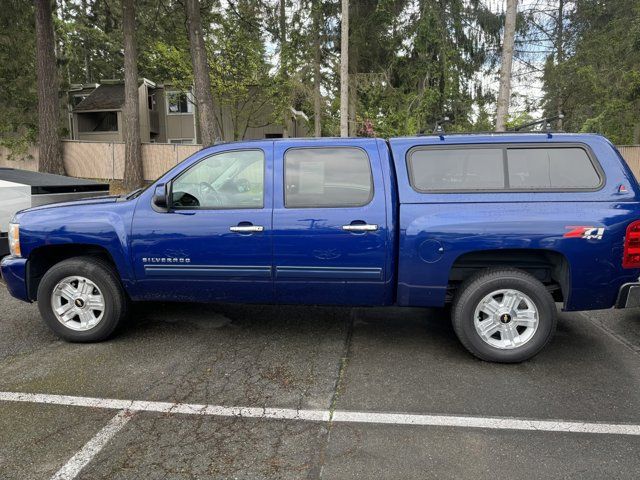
631 256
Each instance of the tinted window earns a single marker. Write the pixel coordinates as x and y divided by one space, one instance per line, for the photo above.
226 180
462 169
327 177
551 168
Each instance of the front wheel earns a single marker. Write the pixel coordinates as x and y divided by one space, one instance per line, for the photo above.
504 315
82 300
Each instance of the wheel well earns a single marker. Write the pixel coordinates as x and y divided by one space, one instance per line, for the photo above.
551 268
43 258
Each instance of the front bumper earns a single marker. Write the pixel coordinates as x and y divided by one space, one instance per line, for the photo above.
14 273
629 296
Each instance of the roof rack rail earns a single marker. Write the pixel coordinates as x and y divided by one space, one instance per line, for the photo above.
438 128
546 121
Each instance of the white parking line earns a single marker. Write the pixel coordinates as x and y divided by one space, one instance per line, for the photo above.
338 416
72 468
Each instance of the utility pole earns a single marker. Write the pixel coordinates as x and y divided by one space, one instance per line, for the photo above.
344 71
504 94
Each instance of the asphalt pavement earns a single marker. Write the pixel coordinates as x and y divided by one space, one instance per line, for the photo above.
191 368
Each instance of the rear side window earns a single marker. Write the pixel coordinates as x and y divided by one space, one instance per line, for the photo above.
436 169
502 167
327 177
551 168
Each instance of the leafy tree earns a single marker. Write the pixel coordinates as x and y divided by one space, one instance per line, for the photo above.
417 61
599 75
18 122
90 40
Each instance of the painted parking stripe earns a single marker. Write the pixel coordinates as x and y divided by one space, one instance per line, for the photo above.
338 416
72 468
496 423
167 407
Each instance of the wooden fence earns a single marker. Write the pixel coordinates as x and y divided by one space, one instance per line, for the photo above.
631 154
105 160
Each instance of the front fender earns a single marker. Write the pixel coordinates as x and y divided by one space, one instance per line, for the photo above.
106 226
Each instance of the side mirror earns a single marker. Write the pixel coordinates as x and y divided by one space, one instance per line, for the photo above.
161 196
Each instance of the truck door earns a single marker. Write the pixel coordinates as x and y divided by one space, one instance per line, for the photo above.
214 242
329 223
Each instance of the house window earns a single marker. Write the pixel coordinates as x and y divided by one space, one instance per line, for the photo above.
151 101
181 141
98 122
179 103
76 99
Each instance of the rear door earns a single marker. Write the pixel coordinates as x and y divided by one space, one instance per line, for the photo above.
330 234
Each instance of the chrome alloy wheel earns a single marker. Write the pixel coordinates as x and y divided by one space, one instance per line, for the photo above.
506 319
77 303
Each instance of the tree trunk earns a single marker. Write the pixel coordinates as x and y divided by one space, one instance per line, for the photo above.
344 70
504 94
50 147
283 69
132 149
559 59
317 60
201 79
85 46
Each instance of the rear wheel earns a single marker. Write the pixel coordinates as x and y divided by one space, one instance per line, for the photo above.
503 315
81 299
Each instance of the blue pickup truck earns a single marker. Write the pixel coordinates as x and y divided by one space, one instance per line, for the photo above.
500 226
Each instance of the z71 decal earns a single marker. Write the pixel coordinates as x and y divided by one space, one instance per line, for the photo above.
586 232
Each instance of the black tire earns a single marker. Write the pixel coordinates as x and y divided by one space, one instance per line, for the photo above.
105 278
477 287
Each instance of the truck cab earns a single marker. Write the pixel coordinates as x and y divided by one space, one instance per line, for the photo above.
301 221
502 227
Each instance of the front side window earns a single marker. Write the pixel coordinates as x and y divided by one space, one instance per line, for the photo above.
435 169
179 102
327 177
551 168
228 180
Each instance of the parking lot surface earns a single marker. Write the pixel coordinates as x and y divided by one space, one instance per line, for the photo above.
298 371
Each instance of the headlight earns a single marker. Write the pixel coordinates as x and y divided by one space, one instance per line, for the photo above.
14 239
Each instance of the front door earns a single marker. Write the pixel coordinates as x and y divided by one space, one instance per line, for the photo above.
214 242
330 223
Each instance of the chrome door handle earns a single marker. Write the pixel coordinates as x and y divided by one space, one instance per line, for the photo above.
360 227
247 228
